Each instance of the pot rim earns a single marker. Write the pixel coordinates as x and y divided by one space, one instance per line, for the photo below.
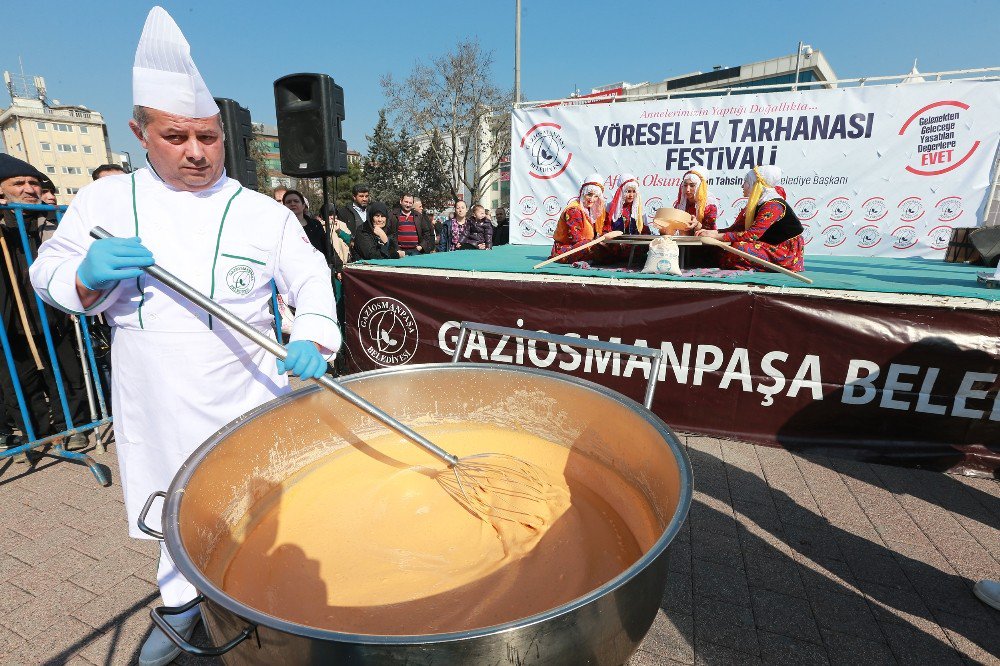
183 562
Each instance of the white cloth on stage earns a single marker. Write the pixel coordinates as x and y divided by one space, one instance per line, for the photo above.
179 375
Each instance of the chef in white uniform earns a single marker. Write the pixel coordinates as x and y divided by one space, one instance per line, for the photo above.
178 374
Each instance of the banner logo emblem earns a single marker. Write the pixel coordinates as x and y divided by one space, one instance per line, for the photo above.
910 209
868 236
548 155
388 331
904 237
806 208
840 209
834 235
949 209
651 206
875 209
807 233
527 226
551 206
528 205
939 237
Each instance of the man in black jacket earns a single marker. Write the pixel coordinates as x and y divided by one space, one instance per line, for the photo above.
355 214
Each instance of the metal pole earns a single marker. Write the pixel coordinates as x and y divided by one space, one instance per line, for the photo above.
517 52
798 61
86 370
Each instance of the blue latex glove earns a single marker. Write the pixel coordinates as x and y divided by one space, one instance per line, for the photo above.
304 360
110 260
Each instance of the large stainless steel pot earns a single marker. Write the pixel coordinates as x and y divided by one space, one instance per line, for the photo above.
211 497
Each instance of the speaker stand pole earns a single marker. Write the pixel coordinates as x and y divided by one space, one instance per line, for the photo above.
326 207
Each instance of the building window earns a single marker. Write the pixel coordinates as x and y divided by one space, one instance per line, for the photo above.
46 146
84 129
73 171
72 190
65 148
88 150
60 127
50 168
40 125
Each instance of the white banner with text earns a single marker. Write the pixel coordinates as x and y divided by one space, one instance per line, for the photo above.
870 171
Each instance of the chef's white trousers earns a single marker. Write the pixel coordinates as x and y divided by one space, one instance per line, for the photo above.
174 588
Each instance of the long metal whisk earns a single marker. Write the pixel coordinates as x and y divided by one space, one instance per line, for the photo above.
492 486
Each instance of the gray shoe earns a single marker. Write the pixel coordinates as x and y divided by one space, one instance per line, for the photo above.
158 650
76 442
988 592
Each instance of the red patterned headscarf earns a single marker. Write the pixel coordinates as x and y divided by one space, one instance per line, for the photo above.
617 202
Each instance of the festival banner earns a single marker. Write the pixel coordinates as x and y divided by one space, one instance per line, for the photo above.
870 380
870 171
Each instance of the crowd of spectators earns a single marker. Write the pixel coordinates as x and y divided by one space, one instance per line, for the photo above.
364 230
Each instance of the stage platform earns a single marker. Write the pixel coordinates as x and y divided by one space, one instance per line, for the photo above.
892 360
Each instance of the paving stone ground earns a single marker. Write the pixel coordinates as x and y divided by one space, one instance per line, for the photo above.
784 559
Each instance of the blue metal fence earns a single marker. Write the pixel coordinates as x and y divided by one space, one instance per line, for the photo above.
91 375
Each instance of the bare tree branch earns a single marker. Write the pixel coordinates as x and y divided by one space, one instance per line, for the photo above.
454 96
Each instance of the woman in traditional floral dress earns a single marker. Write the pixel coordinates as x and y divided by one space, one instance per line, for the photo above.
582 221
694 199
766 228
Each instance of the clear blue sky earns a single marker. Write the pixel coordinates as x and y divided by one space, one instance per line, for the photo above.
85 50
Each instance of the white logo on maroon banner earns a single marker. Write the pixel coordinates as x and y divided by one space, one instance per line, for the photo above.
388 331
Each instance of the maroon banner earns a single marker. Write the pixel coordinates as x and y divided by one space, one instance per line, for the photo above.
870 380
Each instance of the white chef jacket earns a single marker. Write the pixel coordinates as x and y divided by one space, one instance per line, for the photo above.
179 375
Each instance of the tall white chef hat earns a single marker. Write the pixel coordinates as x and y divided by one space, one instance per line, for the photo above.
164 76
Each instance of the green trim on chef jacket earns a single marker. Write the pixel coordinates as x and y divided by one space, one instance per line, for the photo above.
138 280
218 241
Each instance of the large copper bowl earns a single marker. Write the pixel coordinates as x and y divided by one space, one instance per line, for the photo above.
211 498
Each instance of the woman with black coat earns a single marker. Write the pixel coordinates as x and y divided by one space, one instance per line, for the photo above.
376 238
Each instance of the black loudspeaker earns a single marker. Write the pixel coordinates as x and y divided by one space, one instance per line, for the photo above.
987 242
310 108
239 134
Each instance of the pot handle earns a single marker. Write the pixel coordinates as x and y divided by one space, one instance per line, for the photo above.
159 619
654 355
145 510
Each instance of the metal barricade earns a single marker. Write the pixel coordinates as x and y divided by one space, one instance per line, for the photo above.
22 295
